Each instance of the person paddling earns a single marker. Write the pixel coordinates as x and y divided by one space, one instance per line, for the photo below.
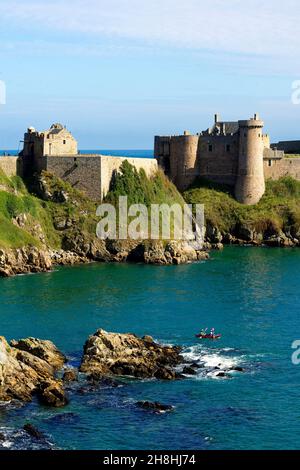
212 332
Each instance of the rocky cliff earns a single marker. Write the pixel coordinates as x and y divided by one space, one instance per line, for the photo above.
28 367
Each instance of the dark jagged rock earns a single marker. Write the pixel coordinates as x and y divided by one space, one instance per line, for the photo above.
70 375
154 406
189 370
238 369
33 431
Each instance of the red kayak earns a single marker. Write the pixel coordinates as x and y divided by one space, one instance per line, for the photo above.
208 336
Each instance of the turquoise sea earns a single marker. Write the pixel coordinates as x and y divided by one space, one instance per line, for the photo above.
250 295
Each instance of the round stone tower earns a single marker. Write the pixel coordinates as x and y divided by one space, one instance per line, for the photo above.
250 183
184 149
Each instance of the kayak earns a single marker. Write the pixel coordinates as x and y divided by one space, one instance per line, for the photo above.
209 336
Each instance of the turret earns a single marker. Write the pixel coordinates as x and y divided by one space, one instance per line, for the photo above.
250 183
183 156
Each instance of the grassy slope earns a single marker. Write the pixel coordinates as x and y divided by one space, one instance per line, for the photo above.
278 209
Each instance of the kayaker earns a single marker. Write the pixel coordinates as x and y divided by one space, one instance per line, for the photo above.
212 332
203 332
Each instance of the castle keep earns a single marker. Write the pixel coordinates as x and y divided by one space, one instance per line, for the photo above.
55 150
237 154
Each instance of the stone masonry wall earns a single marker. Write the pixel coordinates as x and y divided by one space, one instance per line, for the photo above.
221 164
110 164
11 165
283 167
82 172
92 174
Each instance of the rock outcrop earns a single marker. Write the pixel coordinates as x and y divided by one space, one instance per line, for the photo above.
24 260
27 368
127 354
247 234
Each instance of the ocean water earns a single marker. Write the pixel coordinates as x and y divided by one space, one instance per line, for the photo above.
118 153
250 295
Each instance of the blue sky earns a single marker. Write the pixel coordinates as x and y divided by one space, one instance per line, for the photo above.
118 72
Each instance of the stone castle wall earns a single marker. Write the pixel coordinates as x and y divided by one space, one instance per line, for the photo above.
276 169
222 169
110 164
11 166
82 172
92 173
292 146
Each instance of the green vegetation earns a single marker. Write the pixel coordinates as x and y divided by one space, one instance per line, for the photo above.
38 217
52 210
140 189
278 209
143 190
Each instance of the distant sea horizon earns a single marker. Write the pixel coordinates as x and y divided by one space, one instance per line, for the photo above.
136 153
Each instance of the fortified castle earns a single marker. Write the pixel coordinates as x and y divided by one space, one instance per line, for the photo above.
55 150
237 154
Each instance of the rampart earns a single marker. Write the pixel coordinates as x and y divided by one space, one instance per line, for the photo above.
92 173
11 166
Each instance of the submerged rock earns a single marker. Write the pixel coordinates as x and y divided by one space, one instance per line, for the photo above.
28 367
154 406
189 370
127 354
70 375
33 431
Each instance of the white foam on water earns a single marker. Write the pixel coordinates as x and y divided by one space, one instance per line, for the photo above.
212 358
6 444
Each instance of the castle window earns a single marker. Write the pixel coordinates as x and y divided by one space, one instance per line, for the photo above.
48 136
64 142
228 148
210 148
270 162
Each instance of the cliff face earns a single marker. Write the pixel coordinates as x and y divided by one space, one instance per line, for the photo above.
52 223
274 221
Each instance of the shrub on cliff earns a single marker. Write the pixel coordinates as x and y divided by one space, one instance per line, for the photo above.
140 189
